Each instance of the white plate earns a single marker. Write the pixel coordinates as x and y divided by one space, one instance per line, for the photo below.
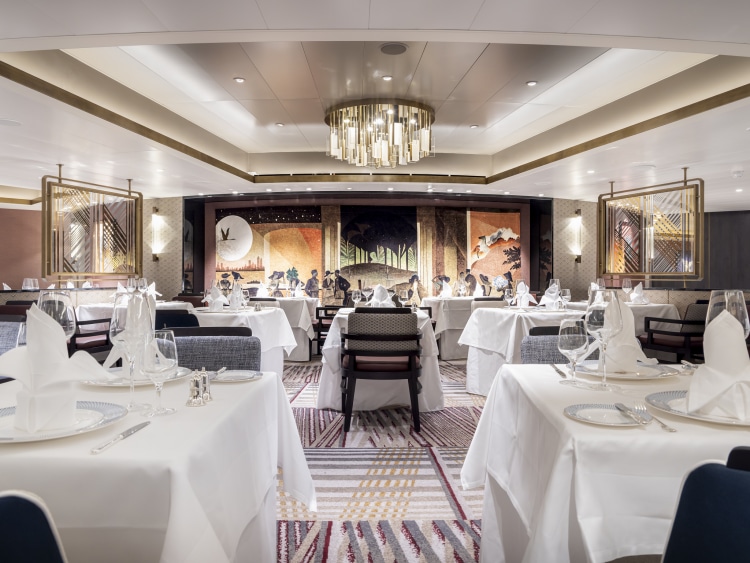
603 414
237 375
656 371
181 373
674 402
90 415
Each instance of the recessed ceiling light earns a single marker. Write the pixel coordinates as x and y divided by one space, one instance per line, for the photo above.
348 188
238 79
393 48
387 78
590 171
269 189
449 190
738 190
390 188
507 193
234 192
288 189
468 191
541 195
532 83
309 189
473 126
279 125
429 188
200 193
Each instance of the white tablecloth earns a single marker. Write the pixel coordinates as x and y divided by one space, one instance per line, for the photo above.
195 486
450 315
269 324
300 311
494 338
560 490
640 312
372 395
94 311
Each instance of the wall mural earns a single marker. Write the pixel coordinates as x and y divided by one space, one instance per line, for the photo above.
378 245
495 249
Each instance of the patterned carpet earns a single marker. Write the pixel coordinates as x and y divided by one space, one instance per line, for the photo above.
385 493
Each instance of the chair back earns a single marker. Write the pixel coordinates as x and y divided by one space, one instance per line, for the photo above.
386 328
28 532
544 331
543 350
169 319
8 335
216 352
27 303
263 299
695 312
194 300
710 523
383 310
212 331
14 310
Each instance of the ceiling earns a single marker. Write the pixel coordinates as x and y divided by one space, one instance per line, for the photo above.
628 93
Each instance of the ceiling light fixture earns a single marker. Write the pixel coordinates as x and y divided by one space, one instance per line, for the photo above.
279 125
473 126
590 171
532 83
738 190
387 78
238 79
380 133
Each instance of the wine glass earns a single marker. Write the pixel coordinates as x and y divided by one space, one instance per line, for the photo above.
21 337
356 296
57 304
159 364
403 296
603 321
600 283
565 296
367 292
732 301
626 286
129 329
554 281
508 295
573 342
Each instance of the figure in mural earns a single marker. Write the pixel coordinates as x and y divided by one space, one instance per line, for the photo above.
328 286
276 278
471 283
437 282
341 286
459 286
417 291
237 276
311 287
486 284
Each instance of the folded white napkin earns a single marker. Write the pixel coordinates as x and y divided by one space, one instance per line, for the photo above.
70 285
216 300
446 291
47 398
120 289
623 350
235 298
522 298
6 287
86 285
638 297
51 286
152 290
721 386
551 297
262 291
380 297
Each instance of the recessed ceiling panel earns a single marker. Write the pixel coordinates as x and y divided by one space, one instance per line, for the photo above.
423 14
321 14
183 15
284 68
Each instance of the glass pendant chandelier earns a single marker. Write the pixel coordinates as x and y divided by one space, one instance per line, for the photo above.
380 133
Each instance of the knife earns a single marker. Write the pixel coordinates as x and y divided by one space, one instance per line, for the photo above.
560 372
124 434
630 413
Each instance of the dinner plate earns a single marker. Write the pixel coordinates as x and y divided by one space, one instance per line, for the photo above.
602 414
237 375
90 415
644 372
675 402
124 381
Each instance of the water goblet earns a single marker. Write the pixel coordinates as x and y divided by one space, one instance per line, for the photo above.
159 364
573 343
732 301
600 283
508 295
356 296
554 281
603 320
461 289
26 284
403 296
129 329
21 337
367 292
565 296
58 305
627 287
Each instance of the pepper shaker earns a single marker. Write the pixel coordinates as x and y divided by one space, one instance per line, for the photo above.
196 391
206 384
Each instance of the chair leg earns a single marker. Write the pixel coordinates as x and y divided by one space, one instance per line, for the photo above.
350 385
414 396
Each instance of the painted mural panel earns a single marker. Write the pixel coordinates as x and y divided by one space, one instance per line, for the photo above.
495 246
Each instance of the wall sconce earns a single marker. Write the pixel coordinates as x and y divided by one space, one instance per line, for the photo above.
157 244
579 235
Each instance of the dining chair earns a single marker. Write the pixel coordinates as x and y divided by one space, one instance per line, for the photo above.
710 523
95 341
170 319
683 337
544 331
323 318
216 352
212 331
381 345
543 350
28 532
14 310
252 299
195 300
8 335
26 303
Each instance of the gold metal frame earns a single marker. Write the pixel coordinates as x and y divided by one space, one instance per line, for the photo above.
697 204
51 222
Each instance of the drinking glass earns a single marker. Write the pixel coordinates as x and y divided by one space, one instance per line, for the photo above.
367 292
21 337
573 342
356 296
159 364
27 285
554 281
508 295
403 296
129 329
565 296
600 283
57 304
627 286
603 321
461 289
732 301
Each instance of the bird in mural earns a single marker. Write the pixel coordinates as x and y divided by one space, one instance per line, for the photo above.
225 234
487 241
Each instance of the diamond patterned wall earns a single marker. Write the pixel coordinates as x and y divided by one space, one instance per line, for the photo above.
167 272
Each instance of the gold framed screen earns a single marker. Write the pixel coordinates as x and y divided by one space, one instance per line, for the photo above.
90 230
654 232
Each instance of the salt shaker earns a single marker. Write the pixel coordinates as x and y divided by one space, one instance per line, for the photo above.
258 307
206 384
196 391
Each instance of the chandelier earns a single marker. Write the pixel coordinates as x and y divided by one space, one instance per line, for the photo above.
380 133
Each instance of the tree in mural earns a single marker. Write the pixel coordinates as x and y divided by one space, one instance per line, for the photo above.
545 259
513 255
381 238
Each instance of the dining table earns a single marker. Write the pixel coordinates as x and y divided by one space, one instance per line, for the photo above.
269 324
640 312
450 315
300 312
373 395
198 485
593 488
493 337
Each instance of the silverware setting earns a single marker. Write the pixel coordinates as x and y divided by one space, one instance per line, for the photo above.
560 372
640 408
119 438
632 414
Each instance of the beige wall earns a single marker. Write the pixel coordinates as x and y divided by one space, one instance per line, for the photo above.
20 245
167 272
565 236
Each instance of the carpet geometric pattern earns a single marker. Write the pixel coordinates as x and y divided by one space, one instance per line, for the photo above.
385 493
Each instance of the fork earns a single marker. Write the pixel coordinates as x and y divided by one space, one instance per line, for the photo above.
641 410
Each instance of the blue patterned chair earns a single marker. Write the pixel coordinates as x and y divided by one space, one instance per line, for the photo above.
28 532
543 350
216 352
8 339
381 344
